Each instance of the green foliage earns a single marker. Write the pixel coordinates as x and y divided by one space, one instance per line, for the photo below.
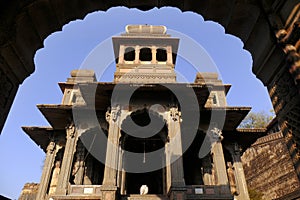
254 194
257 120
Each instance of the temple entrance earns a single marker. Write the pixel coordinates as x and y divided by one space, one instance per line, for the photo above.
142 146
153 180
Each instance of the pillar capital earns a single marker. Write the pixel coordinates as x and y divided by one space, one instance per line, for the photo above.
175 114
115 113
215 135
51 147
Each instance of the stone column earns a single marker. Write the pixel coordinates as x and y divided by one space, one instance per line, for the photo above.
121 171
153 51
169 55
239 172
109 187
66 166
121 54
120 161
123 183
174 149
79 171
216 137
137 54
47 169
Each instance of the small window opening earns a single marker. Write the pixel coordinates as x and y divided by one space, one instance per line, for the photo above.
129 54
145 54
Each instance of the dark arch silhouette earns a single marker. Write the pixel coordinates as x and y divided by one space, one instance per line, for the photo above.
25 25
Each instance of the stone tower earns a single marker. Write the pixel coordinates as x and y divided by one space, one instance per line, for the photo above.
145 54
108 139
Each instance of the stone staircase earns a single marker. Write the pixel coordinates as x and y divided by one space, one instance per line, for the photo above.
145 197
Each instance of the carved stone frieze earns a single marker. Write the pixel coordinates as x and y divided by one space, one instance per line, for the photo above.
146 77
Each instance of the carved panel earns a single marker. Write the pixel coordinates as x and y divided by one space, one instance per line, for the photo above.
269 168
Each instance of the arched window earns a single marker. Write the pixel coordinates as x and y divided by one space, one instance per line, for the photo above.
145 54
129 54
161 55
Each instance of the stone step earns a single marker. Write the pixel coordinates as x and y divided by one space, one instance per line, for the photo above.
145 197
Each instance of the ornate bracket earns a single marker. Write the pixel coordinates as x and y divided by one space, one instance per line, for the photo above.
215 135
175 114
51 147
115 113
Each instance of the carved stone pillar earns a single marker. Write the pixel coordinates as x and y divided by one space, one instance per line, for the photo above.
66 166
79 171
239 173
168 168
121 54
137 55
216 137
174 156
56 170
47 169
153 51
169 55
120 166
111 162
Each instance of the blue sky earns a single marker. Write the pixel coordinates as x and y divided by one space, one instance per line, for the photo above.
65 50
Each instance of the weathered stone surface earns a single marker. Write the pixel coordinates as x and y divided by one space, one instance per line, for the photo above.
29 191
269 168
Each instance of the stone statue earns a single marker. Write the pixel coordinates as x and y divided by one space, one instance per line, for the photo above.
231 177
54 178
144 190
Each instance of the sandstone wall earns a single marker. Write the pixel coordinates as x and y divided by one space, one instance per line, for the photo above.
269 168
29 191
